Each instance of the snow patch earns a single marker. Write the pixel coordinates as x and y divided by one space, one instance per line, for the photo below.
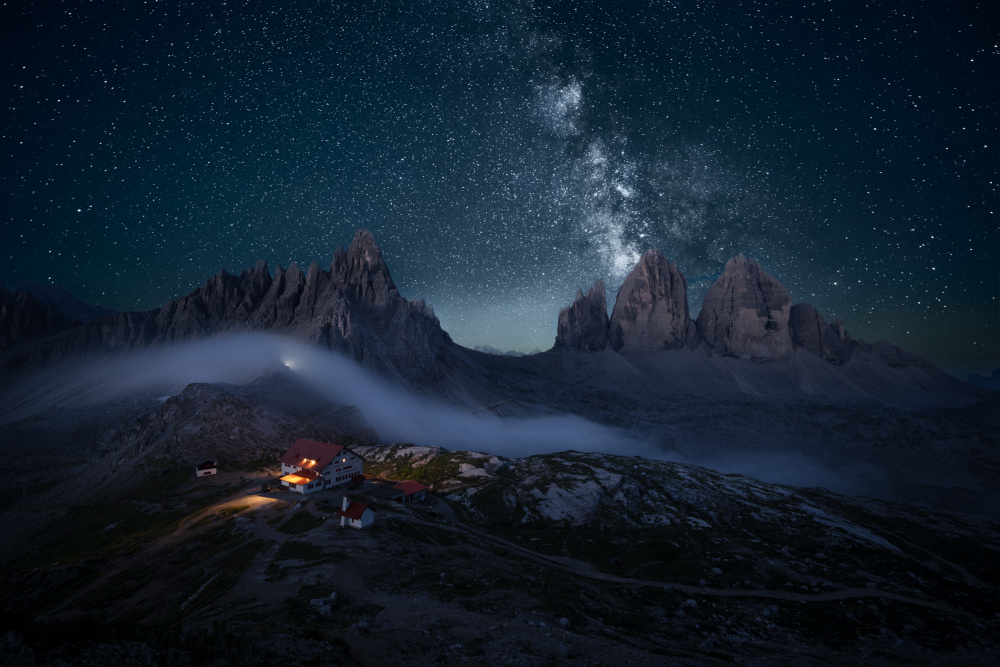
850 528
572 505
469 470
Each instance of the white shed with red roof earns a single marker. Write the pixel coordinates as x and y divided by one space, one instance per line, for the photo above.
355 515
310 465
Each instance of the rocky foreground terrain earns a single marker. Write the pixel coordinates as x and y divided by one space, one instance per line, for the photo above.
567 557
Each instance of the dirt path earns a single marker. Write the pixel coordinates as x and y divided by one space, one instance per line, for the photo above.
585 569
250 496
152 550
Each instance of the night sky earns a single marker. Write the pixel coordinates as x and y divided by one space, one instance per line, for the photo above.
505 154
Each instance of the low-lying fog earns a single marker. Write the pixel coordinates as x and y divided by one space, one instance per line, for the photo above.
395 415
782 456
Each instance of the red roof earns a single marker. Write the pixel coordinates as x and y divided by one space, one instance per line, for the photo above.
410 487
311 454
353 511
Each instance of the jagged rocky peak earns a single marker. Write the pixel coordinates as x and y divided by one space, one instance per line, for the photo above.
810 331
362 273
745 313
651 309
354 308
584 324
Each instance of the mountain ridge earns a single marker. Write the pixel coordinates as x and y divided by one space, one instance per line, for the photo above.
355 308
746 313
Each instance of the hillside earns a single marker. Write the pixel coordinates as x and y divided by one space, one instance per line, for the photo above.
554 558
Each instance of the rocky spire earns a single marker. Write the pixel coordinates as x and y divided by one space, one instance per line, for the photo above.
584 324
745 313
810 331
651 309
362 273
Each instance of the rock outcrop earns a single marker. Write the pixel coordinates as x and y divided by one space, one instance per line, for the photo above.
56 297
354 308
584 324
36 310
23 318
651 309
810 331
890 355
745 313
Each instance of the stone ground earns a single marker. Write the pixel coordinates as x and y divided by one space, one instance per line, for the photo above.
272 576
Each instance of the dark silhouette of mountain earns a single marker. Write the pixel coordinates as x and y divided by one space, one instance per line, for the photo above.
24 318
354 307
754 385
746 314
70 306
990 382
584 325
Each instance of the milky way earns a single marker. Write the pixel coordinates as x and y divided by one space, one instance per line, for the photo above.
506 154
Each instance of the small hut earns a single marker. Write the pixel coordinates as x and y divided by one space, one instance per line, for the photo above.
408 491
355 515
206 468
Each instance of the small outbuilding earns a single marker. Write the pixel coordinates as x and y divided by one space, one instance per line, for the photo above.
355 515
409 490
206 468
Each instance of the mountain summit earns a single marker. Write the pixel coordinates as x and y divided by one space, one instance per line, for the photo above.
651 309
584 325
354 307
745 313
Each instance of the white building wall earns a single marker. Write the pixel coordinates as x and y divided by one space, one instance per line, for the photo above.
304 488
367 519
343 469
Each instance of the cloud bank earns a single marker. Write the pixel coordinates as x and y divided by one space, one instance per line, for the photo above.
394 414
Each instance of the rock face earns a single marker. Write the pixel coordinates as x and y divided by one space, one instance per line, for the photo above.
890 355
745 313
36 310
584 325
354 308
651 309
810 330
58 298
23 319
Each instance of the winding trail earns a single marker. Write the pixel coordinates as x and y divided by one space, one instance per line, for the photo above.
585 569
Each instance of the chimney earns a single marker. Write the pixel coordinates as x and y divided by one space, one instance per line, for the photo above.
346 502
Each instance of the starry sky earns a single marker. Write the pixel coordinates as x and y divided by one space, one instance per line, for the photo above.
507 153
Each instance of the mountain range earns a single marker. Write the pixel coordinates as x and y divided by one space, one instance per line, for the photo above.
752 384
354 307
